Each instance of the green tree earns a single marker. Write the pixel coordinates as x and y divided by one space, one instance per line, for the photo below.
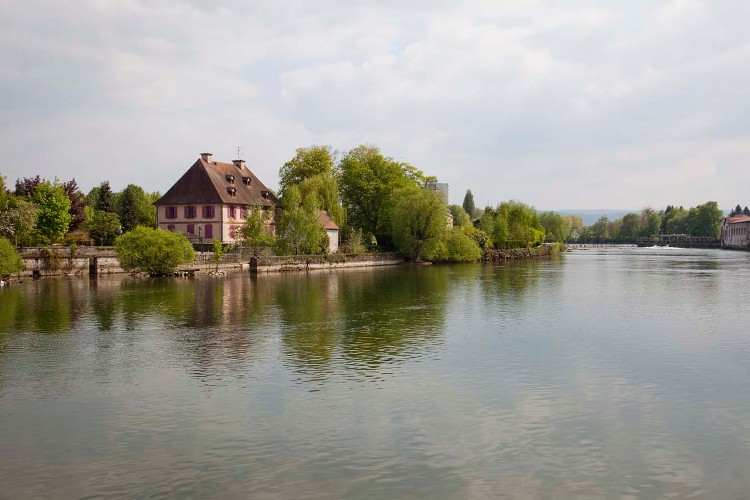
468 204
253 233
10 261
459 247
18 221
104 200
367 181
576 226
218 249
153 251
3 195
54 211
650 222
308 162
600 229
631 227
523 224
556 227
705 220
324 191
299 231
417 222
135 208
103 227
460 217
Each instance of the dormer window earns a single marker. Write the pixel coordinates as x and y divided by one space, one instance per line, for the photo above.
232 191
265 194
246 181
230 179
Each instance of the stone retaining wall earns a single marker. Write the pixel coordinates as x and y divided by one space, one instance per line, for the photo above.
268 264
542 251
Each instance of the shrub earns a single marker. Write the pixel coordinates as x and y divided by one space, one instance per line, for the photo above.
10 261
154 251
459 247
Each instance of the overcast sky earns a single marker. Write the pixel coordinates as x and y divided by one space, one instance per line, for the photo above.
578 104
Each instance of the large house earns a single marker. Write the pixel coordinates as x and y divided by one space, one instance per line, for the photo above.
212 199
735 232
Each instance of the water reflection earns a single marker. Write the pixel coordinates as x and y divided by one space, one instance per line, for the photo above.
606 374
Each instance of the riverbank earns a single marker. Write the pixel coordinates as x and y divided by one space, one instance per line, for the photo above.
543 251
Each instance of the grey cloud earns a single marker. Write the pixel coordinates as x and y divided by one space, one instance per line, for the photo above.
587 104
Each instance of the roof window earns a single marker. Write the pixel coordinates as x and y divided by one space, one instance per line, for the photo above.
232 191
246 181
230 178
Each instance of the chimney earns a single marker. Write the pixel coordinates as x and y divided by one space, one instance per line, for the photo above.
239 163
206 157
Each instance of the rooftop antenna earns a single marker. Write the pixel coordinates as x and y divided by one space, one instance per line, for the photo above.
239 148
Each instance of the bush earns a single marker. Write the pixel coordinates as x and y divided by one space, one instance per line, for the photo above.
459 247
154 251
354 244
10 261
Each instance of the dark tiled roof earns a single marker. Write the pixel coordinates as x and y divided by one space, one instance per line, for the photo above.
326 221
207 182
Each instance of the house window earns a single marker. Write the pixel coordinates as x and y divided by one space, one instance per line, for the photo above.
191 229
232 212
170 212
246 181
232 191
208 212
243 213
230 179
209 230
170 228
190 212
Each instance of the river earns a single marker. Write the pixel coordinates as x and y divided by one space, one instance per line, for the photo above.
605 373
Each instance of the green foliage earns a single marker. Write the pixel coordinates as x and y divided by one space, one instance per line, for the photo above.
367 180
417 222
459 247
10 261
102 198
600 229
512 224
307 163
650 222
153 251
556 227
253 233
135 208
460 217
299 231
103 227
218 249
18 221
54 211
323 189
705 220
3 194
468 204
631 227
354 243
482 239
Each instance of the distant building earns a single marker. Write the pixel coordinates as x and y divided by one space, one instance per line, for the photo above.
332 230
735 232
442 188
212 199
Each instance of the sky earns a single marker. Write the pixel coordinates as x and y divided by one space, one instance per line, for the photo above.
560 104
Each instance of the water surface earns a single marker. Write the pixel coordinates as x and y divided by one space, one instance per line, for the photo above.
618 373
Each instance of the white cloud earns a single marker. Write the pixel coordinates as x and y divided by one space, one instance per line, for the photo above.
582 105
